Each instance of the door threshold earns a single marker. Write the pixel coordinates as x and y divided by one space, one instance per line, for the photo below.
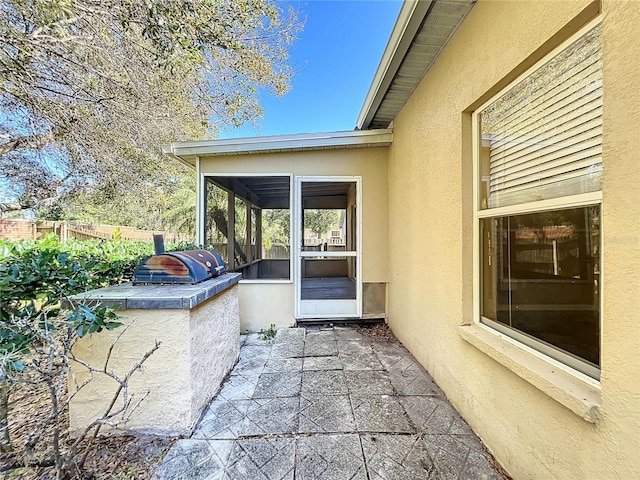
330 322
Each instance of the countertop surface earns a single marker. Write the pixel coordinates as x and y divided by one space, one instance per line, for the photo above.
129 296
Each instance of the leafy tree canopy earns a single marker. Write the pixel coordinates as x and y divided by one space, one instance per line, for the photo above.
320 221
90 89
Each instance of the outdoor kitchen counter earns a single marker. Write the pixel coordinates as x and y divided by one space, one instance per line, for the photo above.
128 296
197 330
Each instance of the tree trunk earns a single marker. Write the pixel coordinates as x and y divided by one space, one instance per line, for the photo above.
5 444
221 224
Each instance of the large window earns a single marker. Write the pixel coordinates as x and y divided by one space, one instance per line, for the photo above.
538 165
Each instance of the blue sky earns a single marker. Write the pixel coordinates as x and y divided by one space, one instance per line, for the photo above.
335 58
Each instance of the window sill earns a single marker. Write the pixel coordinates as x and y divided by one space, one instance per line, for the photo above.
575 391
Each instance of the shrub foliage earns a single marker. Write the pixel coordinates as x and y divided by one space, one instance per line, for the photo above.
35 276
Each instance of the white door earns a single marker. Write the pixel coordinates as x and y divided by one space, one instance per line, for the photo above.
328 223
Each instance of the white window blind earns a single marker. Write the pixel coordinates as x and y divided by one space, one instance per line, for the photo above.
545 133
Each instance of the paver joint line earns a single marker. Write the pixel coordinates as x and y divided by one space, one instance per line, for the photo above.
328 403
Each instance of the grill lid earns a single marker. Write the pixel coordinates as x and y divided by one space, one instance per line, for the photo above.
186 267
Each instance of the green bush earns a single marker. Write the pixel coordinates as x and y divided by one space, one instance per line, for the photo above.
103 262
35 275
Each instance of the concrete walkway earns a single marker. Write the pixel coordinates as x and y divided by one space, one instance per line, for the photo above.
328 404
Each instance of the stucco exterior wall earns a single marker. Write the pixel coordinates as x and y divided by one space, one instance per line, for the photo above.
198 347
369 163
620 427
430 220
214 347
262 304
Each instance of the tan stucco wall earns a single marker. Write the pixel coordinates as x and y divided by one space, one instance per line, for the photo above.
430 221
369 163
198 347
620 429
263 304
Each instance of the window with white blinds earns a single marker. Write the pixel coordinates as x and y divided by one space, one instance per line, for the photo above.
537 196
544 135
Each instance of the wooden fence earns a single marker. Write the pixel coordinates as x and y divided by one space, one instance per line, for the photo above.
29 229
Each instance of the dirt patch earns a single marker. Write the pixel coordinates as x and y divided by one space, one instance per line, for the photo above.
121 457
379 331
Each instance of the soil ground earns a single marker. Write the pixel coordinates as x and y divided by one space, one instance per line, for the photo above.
120 458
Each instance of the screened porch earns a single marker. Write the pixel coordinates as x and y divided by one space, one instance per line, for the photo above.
250 223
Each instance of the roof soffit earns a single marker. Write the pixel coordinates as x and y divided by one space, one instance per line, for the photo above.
413 48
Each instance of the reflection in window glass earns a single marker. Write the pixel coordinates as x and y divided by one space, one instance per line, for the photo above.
541 277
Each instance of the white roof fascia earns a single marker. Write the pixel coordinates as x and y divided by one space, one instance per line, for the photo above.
409 20
166 150
187 151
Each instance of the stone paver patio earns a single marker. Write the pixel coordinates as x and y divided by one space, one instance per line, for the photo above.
328 404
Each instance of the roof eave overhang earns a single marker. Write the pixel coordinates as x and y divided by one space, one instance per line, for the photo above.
188 152
409 21
167 150
414 18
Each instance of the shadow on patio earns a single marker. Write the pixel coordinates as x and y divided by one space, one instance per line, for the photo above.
334 403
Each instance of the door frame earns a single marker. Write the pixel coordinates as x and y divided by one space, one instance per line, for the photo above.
334 309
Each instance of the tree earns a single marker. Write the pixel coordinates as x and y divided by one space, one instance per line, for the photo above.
90 89
166 204
180 212
320 221
276 226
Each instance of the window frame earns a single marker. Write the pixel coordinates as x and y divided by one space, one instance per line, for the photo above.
580 200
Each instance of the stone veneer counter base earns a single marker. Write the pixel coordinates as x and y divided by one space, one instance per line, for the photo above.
197 328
